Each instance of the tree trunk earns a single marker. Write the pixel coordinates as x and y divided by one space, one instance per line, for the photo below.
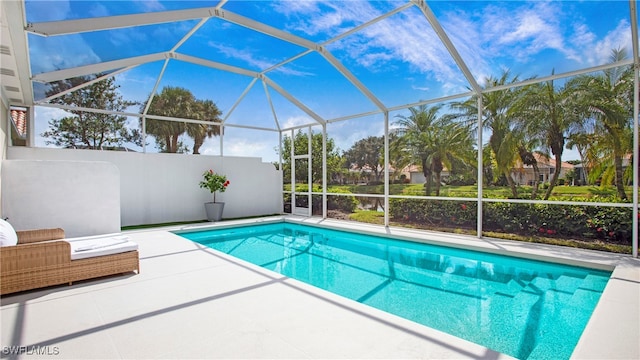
437 169
512 184
438 183
536 180
583 162
554 178
174 143
619 183
197 143
426 171
167 145
528 158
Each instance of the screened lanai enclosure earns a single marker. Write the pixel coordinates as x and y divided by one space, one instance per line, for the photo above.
480 117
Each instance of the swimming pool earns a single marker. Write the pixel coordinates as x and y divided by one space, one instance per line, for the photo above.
524 308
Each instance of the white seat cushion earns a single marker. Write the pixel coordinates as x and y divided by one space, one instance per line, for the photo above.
88 248
8 236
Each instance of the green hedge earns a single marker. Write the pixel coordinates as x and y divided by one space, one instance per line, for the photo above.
609 224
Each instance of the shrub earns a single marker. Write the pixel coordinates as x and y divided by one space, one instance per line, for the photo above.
345 203
608 224
434 212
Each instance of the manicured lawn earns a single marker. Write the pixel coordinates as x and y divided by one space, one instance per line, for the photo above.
562 192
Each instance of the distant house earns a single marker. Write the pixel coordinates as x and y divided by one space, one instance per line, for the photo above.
416 176
581 175
367 175
524 174
521 174
362 176
582 170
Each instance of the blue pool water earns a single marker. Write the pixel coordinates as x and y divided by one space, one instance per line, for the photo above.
524 308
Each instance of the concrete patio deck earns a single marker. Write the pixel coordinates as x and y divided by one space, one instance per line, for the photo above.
192 302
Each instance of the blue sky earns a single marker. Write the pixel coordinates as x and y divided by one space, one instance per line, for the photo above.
399 59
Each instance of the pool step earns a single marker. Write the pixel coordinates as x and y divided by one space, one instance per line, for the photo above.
453 283
547 348
593 282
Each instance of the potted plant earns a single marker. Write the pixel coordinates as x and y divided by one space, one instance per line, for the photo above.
214 183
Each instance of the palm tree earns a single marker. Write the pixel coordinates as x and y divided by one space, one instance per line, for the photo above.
606 99
398 158
528 157
500 112
452 141
171 102
415 138
548 114
433 140
582 142
178 102
208 111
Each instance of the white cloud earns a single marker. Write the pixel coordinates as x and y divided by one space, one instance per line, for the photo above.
245 55
330 18
98 10
135 86
294 121
55 53
347 133
489 36
411 40
257 62
150 5
294 7
53 11
493 37
246 147
238 142
406 37
599 52
42 117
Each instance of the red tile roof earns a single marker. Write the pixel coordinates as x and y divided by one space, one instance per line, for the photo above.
19 118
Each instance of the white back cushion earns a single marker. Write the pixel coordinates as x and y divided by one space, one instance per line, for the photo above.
8 235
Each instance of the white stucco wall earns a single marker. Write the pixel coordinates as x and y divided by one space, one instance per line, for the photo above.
4 138
82 197
157 188
4 126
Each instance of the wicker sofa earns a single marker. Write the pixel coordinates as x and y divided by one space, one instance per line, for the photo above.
41 258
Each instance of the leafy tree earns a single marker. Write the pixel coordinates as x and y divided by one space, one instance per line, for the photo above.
178 102
301 146
88 129
606 100
571 176
368 152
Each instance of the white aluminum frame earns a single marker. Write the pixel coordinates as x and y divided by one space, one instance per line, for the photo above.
19 29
